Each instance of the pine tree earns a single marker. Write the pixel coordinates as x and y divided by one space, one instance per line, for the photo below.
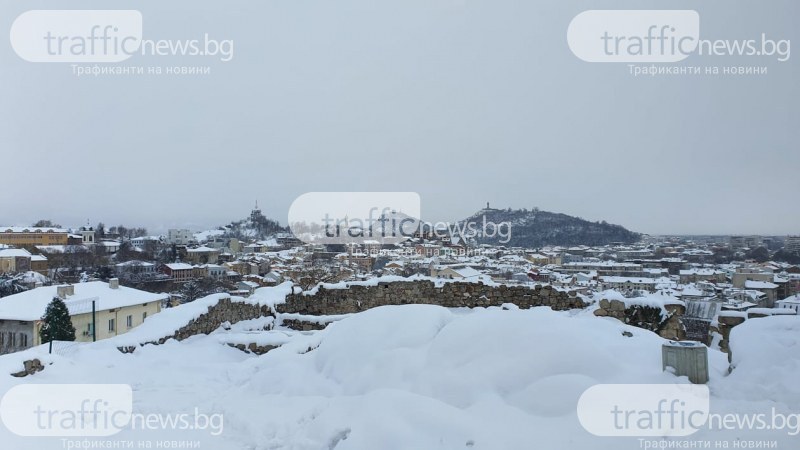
57 325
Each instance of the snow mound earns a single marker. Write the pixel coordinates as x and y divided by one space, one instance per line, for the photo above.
765 354
423 376
416 377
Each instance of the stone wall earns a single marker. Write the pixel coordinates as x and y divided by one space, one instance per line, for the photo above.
223 311
647 317
254 348
724 326
30 367
452 295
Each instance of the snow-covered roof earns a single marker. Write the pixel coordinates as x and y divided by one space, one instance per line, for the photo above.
206 235
636 280
135 263
31 230
62 248
30 305
202 249
467 272
701 272
750 284
179 266
14 253
794 299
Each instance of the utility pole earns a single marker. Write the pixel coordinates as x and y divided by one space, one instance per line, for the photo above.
94 322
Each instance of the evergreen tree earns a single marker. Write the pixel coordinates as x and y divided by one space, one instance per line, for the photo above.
57 325
191 291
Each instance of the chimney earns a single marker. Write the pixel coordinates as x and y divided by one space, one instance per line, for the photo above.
113 283
62 291
70 289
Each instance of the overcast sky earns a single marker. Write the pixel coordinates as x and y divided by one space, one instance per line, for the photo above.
463 101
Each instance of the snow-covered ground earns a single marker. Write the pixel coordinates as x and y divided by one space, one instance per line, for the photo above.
418 377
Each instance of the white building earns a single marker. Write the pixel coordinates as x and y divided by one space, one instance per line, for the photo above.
792 244
792 302
180 237
142 241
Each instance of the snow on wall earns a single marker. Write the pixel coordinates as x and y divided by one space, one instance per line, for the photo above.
765 353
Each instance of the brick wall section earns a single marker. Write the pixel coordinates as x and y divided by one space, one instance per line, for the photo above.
452 295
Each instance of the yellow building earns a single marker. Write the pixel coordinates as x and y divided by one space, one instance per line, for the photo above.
14 260
30 236
118 310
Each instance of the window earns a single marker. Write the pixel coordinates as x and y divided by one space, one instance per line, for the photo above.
129 321
110 324
144 316
23 339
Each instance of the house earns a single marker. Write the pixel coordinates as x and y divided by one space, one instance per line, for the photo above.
758 281
362 261
272 279
792 302
199 272
203 255
215 271
247 287
695 275
144 241
135 267
537 259
17 260
539 275
179 272
428 250
628 283
39 264
544 258
743 299
253 248
13 260
394 267
605 268
242 267
769 289
465 273
109 246
118 309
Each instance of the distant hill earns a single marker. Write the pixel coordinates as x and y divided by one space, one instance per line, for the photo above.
257 227
535 228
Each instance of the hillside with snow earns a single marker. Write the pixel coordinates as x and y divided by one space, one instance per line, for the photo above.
536 228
